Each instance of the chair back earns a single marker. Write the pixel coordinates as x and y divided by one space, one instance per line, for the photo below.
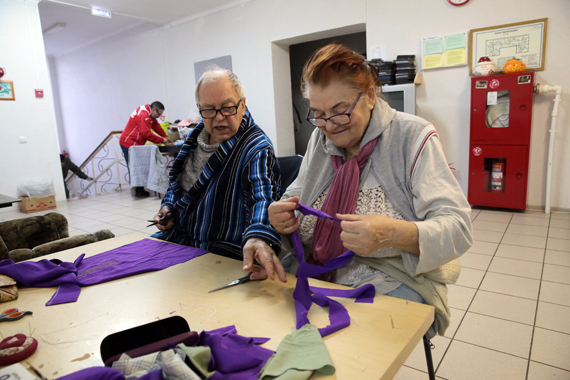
289 166
60 223
28 232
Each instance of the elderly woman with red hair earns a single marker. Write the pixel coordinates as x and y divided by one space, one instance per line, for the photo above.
384 175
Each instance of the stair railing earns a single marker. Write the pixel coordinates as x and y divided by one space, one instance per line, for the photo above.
106 165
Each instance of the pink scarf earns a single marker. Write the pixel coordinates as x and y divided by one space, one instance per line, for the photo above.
341 198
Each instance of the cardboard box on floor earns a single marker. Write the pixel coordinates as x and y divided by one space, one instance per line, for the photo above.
31 204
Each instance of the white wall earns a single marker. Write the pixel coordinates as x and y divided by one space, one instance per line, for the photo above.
101 84
52 71
444 97
22 56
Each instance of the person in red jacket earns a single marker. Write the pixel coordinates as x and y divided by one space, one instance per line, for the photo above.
139 130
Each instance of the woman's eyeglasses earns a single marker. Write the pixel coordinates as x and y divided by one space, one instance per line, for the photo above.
338 119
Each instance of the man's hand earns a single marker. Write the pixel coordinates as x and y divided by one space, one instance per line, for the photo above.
89 178
258 250
282 215
167 222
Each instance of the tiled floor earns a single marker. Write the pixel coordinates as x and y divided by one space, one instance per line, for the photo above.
117 211
510 308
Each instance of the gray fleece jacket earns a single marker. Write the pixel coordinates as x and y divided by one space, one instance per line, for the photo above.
409 164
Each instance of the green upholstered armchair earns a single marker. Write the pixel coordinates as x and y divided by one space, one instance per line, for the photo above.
34 236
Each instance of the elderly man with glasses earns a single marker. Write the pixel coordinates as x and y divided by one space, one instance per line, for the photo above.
223 181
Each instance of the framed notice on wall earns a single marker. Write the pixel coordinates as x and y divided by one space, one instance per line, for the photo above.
7 90
523 40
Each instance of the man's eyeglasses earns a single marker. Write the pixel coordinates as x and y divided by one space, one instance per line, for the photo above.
225 111
338 119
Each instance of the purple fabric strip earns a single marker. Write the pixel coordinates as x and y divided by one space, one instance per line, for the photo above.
106 373
94 373
154 375
363 294
139 257
306 210
303 294
65 293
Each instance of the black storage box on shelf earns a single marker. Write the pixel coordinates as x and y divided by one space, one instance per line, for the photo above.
385 70
404 69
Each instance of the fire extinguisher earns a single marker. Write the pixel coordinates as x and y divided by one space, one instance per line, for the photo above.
498 176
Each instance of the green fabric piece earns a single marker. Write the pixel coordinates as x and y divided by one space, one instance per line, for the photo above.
299 354
200 357
291 374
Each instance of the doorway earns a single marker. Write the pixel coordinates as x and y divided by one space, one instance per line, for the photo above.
298 55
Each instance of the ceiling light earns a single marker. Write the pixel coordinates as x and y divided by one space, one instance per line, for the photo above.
54 29
100 12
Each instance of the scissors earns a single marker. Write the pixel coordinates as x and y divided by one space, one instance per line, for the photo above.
13 315
161 221
242 280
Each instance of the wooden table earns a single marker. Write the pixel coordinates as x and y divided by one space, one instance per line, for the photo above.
378 341
6 201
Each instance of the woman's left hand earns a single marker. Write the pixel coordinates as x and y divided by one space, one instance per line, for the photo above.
365 234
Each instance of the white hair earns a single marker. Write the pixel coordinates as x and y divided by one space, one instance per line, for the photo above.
215 73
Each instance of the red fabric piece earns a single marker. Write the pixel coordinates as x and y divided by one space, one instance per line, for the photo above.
341 198
139 128
11 349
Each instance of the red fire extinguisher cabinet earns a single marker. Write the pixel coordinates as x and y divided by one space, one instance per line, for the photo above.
501 114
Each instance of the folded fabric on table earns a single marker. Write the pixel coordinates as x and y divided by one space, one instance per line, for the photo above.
169 362
8 289
143 256
299 355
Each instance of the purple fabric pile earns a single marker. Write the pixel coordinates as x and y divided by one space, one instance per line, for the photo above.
234 357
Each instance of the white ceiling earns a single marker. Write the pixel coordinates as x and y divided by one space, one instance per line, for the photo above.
82 29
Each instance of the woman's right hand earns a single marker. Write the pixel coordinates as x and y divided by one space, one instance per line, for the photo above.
282 215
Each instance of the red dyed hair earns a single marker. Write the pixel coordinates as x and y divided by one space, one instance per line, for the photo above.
336 62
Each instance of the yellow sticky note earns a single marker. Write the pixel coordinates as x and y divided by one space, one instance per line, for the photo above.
433 61
455 57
